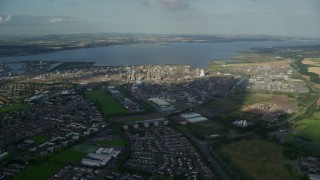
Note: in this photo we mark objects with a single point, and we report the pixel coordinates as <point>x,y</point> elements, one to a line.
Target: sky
<point>252,17</point>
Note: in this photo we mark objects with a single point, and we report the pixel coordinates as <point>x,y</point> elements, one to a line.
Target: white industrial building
<point>164,105</point>
<point>190,115</point>
<point>100,158</point>
<point>242,123</point>
<point>202,74</point>
<point>159,102</point>
<point>91,162</point>
<point>193,117</point>
<point>108,151</point>
<point>196,119</point>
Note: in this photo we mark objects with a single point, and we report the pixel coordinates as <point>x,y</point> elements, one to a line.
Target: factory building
<point>100,158</point>
<point>193,117</point>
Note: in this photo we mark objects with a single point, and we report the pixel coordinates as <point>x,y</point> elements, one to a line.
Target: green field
<point>316,115</point>
<point>251,57</point>
<point>309,128</point>
<point>204,129</point>
<point>40,139</point>
<point>108,104</point>
<point>42,171</point>
<point>84,148</point>
<point>116,143</point>
<point>50,166</point>
<point>223,106</point>
<point>259,159</point>
<point>244,58</point>
<point>13,107</point>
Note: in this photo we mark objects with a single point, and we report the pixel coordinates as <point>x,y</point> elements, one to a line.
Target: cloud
<point>172,5</point>
<point>56,20</point>
<point>27,20</point>
<point>68,2</point>
<point>4,19</point>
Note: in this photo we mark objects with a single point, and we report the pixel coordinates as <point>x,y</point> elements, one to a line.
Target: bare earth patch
<point>270,109</point>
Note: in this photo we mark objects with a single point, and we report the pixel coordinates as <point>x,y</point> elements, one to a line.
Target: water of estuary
<point>194,54</point>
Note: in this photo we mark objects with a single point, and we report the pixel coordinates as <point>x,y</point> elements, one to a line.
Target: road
<point>300,113</point>
<point>204,148</point>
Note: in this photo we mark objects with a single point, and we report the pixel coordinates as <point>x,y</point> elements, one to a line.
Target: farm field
<point>311,61</point>
<point>313,65</point>
<point>259,159</point>
<point>315,70</point>
<point>106,102</point>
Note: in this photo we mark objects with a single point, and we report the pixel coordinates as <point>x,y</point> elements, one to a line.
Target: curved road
<point>204,148</point>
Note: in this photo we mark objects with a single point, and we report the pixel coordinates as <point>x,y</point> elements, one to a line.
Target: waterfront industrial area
<point>75,120</point>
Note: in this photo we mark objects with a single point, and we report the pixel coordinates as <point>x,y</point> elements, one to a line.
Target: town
<point>75,120</point>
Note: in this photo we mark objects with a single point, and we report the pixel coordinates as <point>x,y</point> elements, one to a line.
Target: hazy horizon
<point>294,18</point>
<point>160,34</point>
